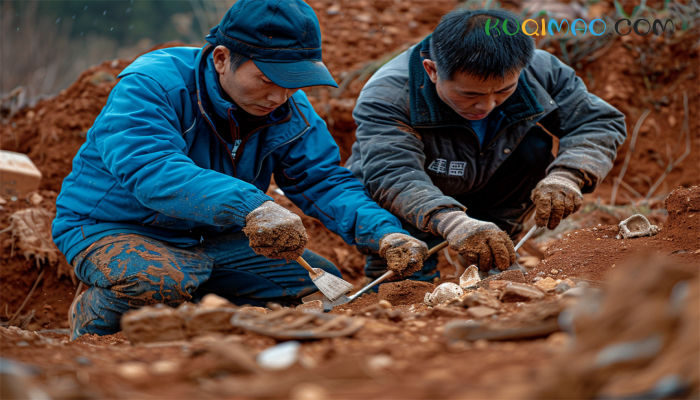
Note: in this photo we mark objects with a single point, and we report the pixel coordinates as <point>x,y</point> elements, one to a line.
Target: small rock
<point>499,285</point>
<point>150,324</point>
<point>443,292</point>
<point>562,287</point>
<point>481,311</point>
<point>164,367</point>
<point>546,285</point>
<point>260,310</point>
<point>315,305</point>
<point>2,201</point>
<point>35,199</point>
<point>133,370</point>
<point>279,357</point>
<point>559,339</point>
<point>385,304</point>
<point>481,344</point>
<point>553,272</point>
<point>520,292</point>
<point>210,320</point>
<point>470,278</point>
<point>309,391</point>
<point>481,298</point>
<point>213,301</point>
<point>380,361</point>
<point>333,10</point>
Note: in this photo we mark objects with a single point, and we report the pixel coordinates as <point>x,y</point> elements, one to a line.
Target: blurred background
<point>46,44</point>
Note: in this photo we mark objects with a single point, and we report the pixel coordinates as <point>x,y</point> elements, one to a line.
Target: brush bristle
<point>331,286</point>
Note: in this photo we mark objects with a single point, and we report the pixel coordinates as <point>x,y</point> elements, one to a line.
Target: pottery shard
<point>520,292</point>
<point>208,320</point>
<point>546,285</point>
<point>481,311</point>
<point>481,298</point>
<point>150,324</point>
<point>470,278</point>
<point>442,293</point>
<point>637,226</point>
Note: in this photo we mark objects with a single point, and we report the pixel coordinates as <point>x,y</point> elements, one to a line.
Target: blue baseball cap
<point>282,38</point>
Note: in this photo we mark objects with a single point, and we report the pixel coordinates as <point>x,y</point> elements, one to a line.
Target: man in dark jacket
<point>454,138</point>
<point>178,162</point>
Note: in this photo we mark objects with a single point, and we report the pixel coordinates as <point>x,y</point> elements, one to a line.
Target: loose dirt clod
<point>404,292</point>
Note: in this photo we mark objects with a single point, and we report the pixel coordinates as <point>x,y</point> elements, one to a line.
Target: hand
<point>480,243</point>
<point>404,254</point>
<point>556,197</point>
<point>275,232</point>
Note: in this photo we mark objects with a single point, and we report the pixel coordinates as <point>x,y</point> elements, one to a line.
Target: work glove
<point>275,232</point>
<point>556,197</point>
<point>404,254</point>
<point>480,243</point>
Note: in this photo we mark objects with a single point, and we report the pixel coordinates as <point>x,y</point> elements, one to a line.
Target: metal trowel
<point>515,266</point>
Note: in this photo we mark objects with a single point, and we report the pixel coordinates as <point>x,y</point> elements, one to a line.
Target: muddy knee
<point>144,289</point>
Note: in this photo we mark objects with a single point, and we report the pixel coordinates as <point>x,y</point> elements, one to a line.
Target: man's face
<point>248,87</point>
<point>471,97</point>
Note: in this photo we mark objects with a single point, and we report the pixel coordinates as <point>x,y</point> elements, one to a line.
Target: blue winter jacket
<point>154,164</point>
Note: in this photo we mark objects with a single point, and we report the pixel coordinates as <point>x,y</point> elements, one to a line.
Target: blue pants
<point>128,271</point>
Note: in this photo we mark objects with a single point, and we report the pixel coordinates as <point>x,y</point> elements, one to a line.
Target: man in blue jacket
<point>178,162</point>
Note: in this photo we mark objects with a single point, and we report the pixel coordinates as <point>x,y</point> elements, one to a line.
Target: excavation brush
<point>330,285</point>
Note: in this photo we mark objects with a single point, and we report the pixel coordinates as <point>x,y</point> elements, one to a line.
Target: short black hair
<point>460,44</point>
<point>237,59</point>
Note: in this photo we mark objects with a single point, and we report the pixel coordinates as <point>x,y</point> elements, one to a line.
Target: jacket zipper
<point>204,114</point>
<point>240,144</point>
<point>508,126</point>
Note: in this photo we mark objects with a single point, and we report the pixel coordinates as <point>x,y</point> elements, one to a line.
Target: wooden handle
<point>437,248</point>
<point>305,265</point>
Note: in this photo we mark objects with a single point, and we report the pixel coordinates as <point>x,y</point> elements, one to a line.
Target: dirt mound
<point>404,293</point>
<point>591,253</point>
<point>682,226</point>
<point>639,340</point>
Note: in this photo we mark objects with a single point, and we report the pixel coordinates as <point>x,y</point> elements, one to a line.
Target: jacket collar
<point>210,92</point>
<point>427,109</point>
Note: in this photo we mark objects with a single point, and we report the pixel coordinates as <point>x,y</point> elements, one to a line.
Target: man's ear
<point>222,57</point>
<point>431,69</point>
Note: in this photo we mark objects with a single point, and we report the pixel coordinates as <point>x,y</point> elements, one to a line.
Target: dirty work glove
<point>275,232</point>
<point>556,197</point>
<point>404,254</point>
<point>481,243</point>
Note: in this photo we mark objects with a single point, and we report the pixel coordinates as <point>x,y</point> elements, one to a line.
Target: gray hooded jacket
<point>408,140</point>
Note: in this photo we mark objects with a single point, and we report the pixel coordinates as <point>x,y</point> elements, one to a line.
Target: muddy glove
<point>404,255</point>
<point>275,232</point>
<point>556,197</point>
<point>480,243</point>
